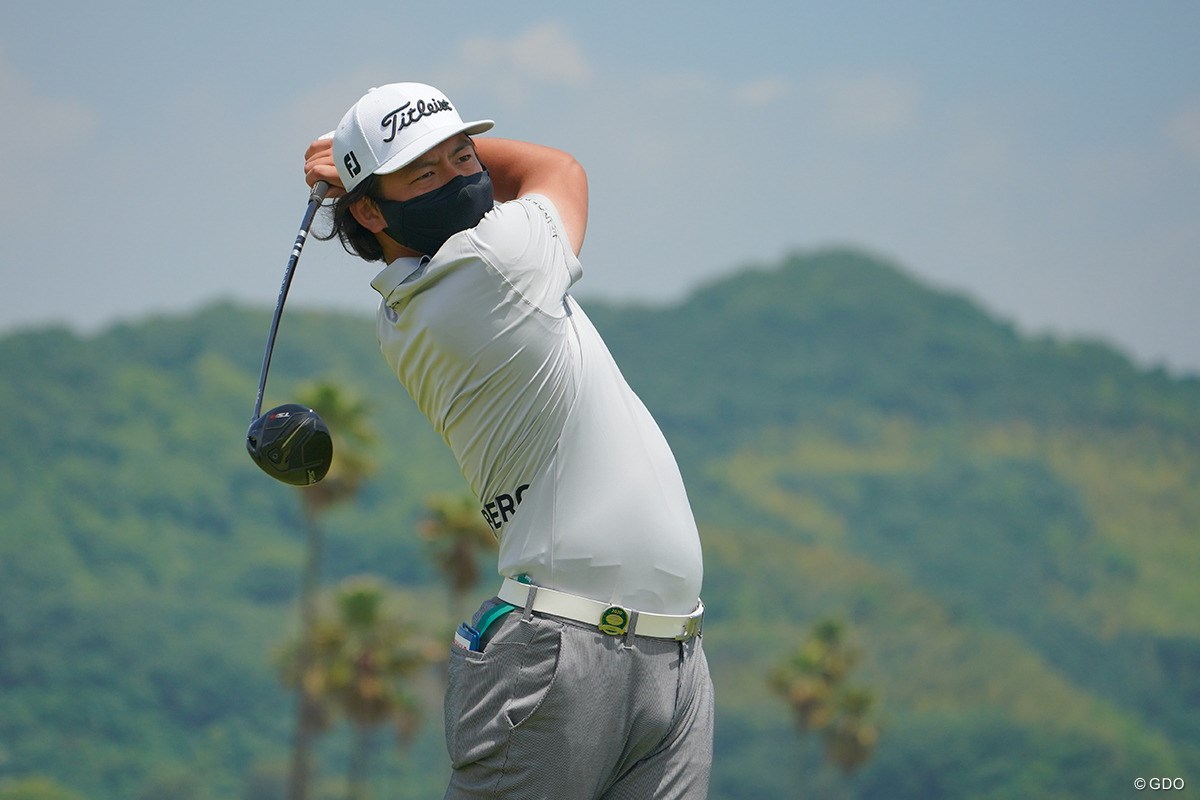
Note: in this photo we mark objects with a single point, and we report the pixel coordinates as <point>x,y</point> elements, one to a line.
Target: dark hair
<point>357,240</point>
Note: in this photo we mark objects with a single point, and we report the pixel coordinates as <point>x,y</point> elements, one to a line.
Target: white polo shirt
<point>574,475</point>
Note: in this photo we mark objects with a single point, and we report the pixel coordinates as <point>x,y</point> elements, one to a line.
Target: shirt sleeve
<point>525,242</point>
<point>547,207</point>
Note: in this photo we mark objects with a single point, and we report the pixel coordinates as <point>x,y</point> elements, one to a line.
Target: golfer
<point>584,676</point>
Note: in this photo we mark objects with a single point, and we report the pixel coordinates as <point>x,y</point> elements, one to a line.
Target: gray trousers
<point>553,709</point>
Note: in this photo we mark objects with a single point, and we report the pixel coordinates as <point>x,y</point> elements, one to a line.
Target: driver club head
<point>291,443</point>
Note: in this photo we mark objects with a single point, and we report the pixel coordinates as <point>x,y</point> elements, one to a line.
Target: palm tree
<point>456,534</point>
<point>813,682</point>
<point>365,651</point>
<point>851,739</point>
<point>347,421</point>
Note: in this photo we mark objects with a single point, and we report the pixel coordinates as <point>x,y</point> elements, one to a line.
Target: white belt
<point>611,619</point>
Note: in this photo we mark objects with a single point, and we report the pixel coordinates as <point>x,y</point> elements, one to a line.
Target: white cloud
<point>549,51</point>
<point>1183,130</point>
<point>762,92</point>
<point>42,135</point>
<point>544,55</point>
<point>871,104</point>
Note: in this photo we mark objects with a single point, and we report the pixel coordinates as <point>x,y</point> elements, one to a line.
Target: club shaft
<point>314,203</point>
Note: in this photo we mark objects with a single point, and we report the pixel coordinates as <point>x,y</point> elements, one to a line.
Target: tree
<point>456,534</point>
<point>347,421</point>
<point>363,650</point>
<point>813,682</point>
<point>35,788</point>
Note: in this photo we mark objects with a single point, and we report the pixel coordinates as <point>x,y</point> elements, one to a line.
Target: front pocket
<point>488,694</point>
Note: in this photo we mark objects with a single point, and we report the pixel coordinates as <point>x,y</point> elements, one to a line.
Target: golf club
<point>291,442</point>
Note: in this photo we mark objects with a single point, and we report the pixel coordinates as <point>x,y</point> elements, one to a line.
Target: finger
<point>327,173</point>
<point>319,166</point>
<point>319,146</point>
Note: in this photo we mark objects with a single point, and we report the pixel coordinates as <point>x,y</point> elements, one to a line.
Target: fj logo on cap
<point>352,165</point>
<point>407,114</point>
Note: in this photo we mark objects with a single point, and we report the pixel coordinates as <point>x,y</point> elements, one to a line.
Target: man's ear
<point>367,213</point>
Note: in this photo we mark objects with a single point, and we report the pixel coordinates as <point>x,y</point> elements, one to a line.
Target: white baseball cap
<point>390,126</point>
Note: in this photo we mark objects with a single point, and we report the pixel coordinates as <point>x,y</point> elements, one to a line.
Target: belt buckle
<point>614,621</point>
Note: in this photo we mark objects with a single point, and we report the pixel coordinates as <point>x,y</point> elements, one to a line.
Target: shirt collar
<point>397,273</point>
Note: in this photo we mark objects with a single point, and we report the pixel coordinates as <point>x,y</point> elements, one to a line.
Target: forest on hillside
<point>998,531</point>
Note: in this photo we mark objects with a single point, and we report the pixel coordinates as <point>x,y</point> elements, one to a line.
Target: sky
<point>1040,158</point>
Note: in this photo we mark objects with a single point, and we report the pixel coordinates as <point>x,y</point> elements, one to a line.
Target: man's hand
<point>319,166</point>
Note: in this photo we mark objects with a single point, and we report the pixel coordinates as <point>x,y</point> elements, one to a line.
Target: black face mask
<point>425,222</point>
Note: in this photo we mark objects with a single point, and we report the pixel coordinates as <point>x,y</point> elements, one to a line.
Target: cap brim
<point>430,140</point>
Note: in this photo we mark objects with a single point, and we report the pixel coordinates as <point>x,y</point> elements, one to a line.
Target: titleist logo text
<point>408,113</point>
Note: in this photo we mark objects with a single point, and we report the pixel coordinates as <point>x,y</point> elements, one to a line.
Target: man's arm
<point>521,168</point>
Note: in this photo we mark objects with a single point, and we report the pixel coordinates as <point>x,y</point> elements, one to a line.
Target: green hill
<point>1007,524</point>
